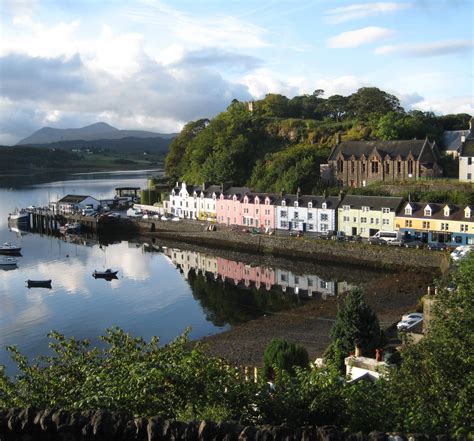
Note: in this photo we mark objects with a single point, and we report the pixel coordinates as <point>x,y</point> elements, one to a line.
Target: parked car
<point>376,241</point>
<point>113,214</point>
<point>175,219</point>
<point>164,218</point>
<point>406,325</point>
<point>396,242</point>
<point>414,244</point>
<point>388,236</point>
<point>461,251</point>
<point>437,246</point>
<point>412,316</point>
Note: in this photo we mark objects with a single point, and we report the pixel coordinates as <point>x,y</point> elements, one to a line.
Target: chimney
<point>340,195</point>
<point>222,187</point>
<point>409,197</point>
<point>298,192</point>
<point>357,352</point>
<point>463,139</point>
<point>338,138</point>
<point>282,192</point>
<point>203,186</point>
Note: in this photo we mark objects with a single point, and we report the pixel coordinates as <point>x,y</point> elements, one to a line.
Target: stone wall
<point>62,425</point>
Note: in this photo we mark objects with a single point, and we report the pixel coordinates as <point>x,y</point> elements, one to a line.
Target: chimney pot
<point>357,350</point>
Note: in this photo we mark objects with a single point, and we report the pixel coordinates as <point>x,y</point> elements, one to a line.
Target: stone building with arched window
<point>358,163</point>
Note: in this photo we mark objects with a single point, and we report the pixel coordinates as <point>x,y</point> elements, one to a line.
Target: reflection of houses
<point>191,260</point>
<point>358,163</point>
<point>306,213</point>
<point>365,215</point>
<point>241,272</point>
<point>304,283</point>
<point>73,203</point>
<point>437,223</point>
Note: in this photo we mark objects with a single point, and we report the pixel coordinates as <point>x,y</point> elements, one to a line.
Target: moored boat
<point>8,248</point>
<point>38,283</point>
<point>107,274</point>
<point>8,261</point>
<point>19,216</point>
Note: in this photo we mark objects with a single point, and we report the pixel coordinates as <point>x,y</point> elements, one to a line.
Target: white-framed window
<point>365,209</point>
<point>324,206</point>
<point>296,204</point>
<point>385,210</point>
<point>310,227</point>
<point>371,220</point>
<point>346,207</point>
<point>310,205</point>
<point>363,220</point>
<point>310,216</point>
<point>385,221</point>
<point>408,210</point>
<point>324,217</point>
<point>283,213</point>
<point>324,227</point>
<point>296,215</point>
<point>346,218</point>
<point>428,211</point>
<point>283,224</point>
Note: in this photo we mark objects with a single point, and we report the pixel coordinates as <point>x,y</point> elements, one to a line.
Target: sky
<point>155,65</point>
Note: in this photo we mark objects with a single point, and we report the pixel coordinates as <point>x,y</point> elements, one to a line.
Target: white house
<point>73,203</point>
<point>466,158</point>
<point>184,201</point>
<point>314,214</point>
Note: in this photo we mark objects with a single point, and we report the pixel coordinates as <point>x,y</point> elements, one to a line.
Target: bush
<point>284,356</point>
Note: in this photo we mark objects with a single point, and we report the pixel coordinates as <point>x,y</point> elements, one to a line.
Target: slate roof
<point>217,189</point>
<point>303,200</point>
<point>468,147</point>
<point>393,149</point>
<point>73,199</point>
<point>374,202</point>
<point>451,140</point>
<point>437,211</point>
<point>240,192</point>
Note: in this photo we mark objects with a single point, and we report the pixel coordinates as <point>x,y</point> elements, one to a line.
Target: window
<point>296,204</point>
<point>408,210</point>
<point>385,222</point>
<point>284,224</point>
<point>399,167</point>
<point>362,166</point>
<point>469,161</point>
<point>426,225</point>
<point>310,282</point>
<point>283,278</point>
<point>408,224</point>
<point>365,209</point>
<point>296,215</point>
<point>354,219</point>
<point>283,213</point>
<point>346,207</point>
<point>387,167</point>
<point>310,216</point>
<point>385,210</point>
<point>324,227</point>
<point>310,205</point>
<point>469,176</point>
<point>375,166</point>
<point>310,227</point>
<point>346,218</point>
<point>444,227</point>
<point>324,217</point>
<point>363,220</point>
<point>464,227</point>
<point>324,206</point>
<point>352,166</point>
<point>323,284</point>
<point>371,220</point>
<point>297,280</point>
<point>283,203</point>
<point>340,165</point>
<point>428,211</point>
<point>410,167</point>
<point>256,211</point>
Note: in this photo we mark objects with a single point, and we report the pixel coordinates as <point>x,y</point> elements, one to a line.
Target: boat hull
<point>38,283</point>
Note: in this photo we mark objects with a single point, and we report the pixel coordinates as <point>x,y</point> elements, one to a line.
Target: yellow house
<point>437,223</point>
<point>366,215</point>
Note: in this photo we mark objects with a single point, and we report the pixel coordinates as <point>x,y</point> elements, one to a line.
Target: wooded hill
<point>278,142</point>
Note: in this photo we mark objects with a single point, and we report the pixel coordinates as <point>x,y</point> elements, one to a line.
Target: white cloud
<point>221,31</point>
<point>359,37</point>
<point>446,106</point>
<point>363,10</point>
<point>433,49</point>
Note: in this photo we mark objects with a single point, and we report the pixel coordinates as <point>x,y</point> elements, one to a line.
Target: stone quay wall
<point>62,425</point>
<point>307,247</point>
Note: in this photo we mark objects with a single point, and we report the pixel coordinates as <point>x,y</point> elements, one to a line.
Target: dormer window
<point>447,211</point>
<point>408,210</point>
<point>427,210</point>
<point>324,206</point>
<point>283,203</point>
<point>296,204</point>
<point>467,212</point>
<point>310,205</point>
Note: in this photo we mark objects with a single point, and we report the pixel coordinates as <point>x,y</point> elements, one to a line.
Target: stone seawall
<point>306,248</point>
<point>62,425</point>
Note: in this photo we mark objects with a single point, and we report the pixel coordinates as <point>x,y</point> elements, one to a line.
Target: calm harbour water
<point>157,293</point>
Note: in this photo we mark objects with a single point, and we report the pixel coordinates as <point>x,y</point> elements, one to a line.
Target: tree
<point>355,322</point>
<point>433,389</point>
<point>336,107</point>
<point>285,356</point>
<point>275,105</point>
<point>369,101</point>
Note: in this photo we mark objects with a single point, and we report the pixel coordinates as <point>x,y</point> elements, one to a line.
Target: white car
<point>412,315</point>
<point>406,325</point>
<point>164,218</point>
<point>175,219</point>
<point>460,252</point>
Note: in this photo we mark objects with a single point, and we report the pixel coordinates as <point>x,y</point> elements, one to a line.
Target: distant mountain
<point>98,131</point>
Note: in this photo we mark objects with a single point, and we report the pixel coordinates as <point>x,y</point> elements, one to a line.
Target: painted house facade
<point>258,211</point>
<point>437,223</point>
<point>313,214</point>
<point>358,163</point>
<point>239,272</point>
<point>229,207</point>
<point>366,215</point>
<point>207,202</point>
<point>184,201</point>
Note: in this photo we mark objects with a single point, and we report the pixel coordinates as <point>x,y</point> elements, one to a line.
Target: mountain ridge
<point>92,132</point>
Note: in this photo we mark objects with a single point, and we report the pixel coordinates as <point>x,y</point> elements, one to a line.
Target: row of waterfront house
<point>352,214</point>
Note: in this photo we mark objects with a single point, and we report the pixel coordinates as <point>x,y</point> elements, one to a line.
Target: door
<point>354,231</point>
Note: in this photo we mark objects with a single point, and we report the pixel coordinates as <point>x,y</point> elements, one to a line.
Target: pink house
<point>229,208</point>
<point>258,210</point>
<point>240,272</point>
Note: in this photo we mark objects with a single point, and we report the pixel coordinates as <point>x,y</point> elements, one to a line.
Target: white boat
<point>8,248</point>
<point>8,261</point>
<point>19,216</point>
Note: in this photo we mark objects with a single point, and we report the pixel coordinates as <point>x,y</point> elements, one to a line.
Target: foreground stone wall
<point>51,425</point>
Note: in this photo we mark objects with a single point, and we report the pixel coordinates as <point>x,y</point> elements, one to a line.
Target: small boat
<point>19,216</point>
<point>8,248</point>
<point>107,274</point>
<point>38,283</point>
<point>8,261</point>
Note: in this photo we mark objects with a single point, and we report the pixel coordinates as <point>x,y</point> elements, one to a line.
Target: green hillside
<point>281,142</point>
